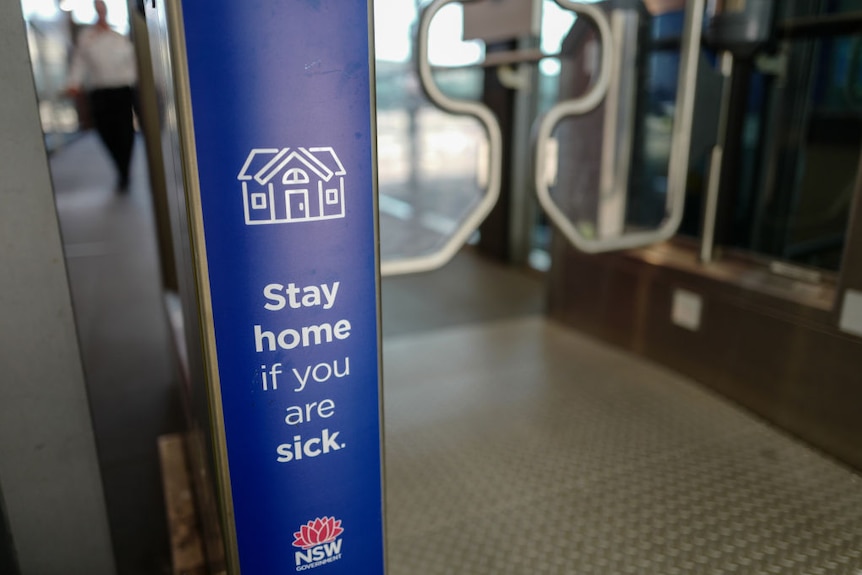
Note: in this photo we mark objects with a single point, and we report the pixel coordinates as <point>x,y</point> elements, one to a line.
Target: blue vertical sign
<point>280,94</point>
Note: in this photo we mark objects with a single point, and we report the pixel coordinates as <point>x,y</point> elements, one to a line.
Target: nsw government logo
<point>319,541</point>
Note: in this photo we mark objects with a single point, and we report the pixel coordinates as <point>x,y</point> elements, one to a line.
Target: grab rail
<point>680,143</point>
<point>495,157</point>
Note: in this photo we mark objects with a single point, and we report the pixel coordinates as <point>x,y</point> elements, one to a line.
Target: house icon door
<point>297,205</point>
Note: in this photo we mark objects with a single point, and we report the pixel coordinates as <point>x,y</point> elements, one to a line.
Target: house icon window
<point>289,185</point>
<point>258,201</point>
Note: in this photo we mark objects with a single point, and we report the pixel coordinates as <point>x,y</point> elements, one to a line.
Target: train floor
<point>520,447</point>
<point>513,445</point>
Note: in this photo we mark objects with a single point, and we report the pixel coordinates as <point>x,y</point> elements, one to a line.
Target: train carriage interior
<point>621,294</point>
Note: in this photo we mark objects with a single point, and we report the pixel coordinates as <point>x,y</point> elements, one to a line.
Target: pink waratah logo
<point>318,532</point>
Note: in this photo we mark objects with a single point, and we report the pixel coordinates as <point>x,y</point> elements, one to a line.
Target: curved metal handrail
<point>495,151</point>
<point>680,143</point>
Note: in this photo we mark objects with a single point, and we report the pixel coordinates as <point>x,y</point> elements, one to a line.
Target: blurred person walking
<point>104,64</point>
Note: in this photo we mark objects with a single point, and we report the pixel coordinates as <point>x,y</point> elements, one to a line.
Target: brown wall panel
<point>781,360</point>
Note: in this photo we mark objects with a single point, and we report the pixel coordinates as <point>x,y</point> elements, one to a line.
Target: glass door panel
<point>433,166</point>
<point>612,171</point>
<point>802,138</point>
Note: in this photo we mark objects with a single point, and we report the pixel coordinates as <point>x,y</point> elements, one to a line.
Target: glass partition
<point>613,174</point>
<point>802,138</point>
<point>774,151</point>
<point>432,164</point>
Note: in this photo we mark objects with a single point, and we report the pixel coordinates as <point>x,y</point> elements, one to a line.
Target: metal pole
<point>710,212</point>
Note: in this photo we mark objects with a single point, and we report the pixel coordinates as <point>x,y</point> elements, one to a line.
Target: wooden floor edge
<point>187,551</point>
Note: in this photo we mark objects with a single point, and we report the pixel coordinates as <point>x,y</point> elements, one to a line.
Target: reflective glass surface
<point>432,168</point>
<point>802,138</point>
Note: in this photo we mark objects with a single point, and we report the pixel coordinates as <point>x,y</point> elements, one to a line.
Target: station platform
<point>513,445</point>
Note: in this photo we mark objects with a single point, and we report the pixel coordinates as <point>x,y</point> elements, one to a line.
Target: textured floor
<point>518,447</point>
<point>111,256</point>
<point>470,289</point>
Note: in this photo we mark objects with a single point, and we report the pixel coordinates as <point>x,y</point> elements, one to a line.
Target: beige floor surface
<point>520,447</point>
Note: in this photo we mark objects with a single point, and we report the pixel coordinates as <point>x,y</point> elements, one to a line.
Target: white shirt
<point>103,59</point>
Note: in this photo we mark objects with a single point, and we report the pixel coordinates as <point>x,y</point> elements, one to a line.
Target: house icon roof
<point>263,164</point>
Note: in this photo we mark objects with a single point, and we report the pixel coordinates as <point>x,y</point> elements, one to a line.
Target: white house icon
<point>287,185</point>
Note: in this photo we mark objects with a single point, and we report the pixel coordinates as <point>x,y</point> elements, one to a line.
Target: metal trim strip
<point>185,128</point>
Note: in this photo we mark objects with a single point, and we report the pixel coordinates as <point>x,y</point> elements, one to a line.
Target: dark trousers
<point>112,116</point>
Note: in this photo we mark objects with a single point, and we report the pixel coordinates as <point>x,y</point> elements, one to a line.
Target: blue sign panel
<point>281,107</point>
